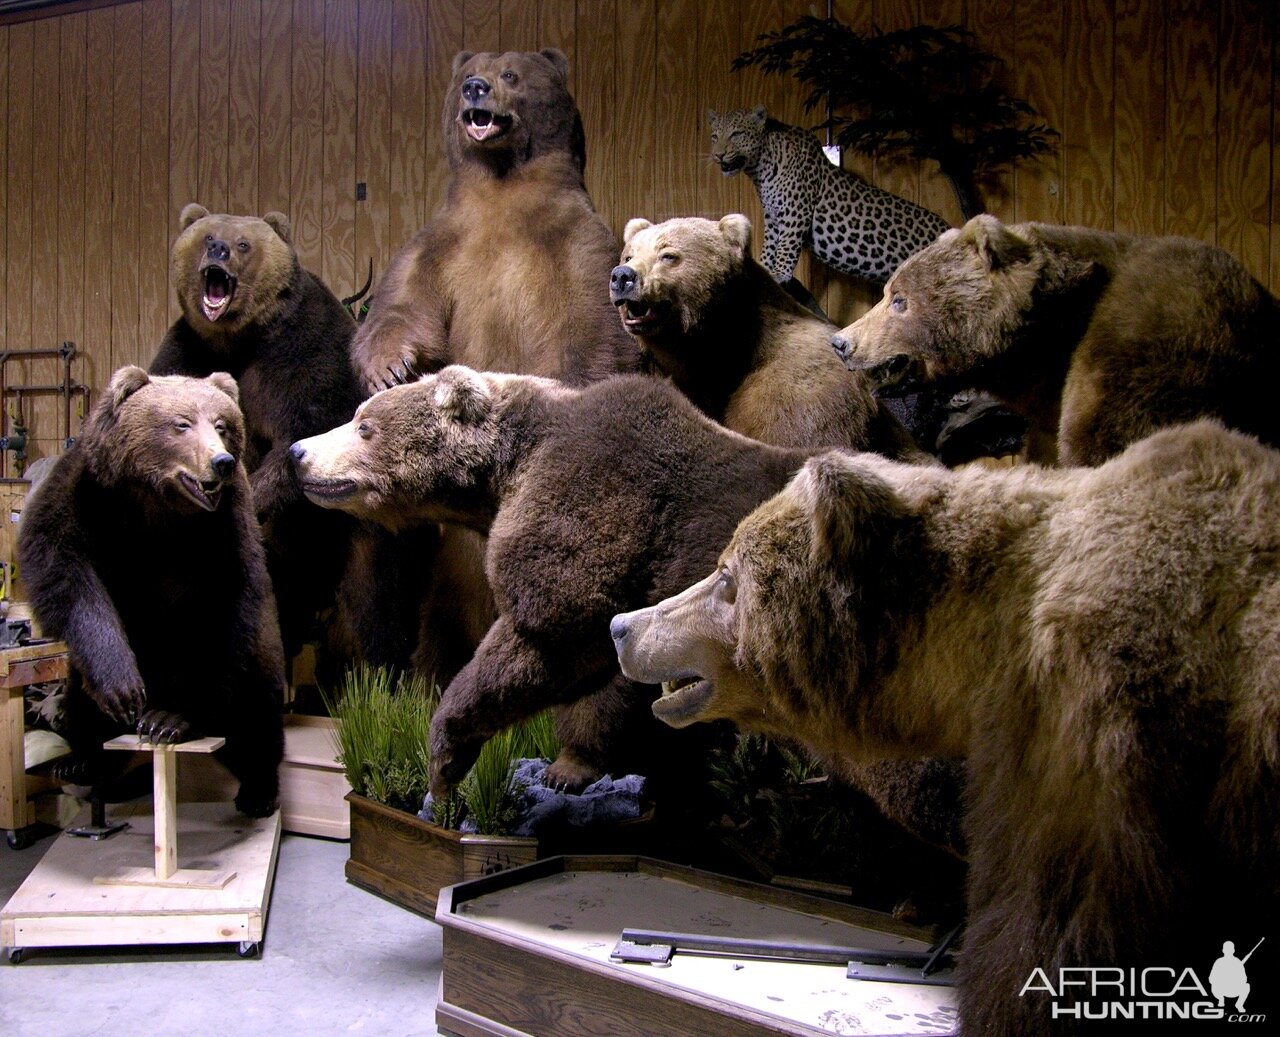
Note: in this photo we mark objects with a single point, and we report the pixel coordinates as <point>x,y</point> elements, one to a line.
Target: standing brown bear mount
<point>1096,338</point>
<point>140,549</point>
<point>509,275</point>
<point>1101,644</point>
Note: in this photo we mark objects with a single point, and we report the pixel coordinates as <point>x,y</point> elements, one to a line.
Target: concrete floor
<point>335,960</point>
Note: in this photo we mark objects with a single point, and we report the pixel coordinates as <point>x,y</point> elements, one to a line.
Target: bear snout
<point>217,250</point>
<point>475,89</point>
<point>619,628</point>
<point>843,348</point>
<point>223,465</point>
<point>622,283</point>
<point>298,453</point>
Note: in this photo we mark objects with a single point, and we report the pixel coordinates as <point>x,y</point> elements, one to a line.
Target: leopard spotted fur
<point>845,221</point>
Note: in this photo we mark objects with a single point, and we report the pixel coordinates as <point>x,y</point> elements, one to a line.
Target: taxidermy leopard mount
<point>846,222</point>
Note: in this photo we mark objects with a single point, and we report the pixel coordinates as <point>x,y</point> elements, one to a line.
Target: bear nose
<point>842,346</point>
<point>475,89</point>
<point>622,281</point>
<point>618,628</point>
<point>223,465</point>
<point>297,452</point>
<point>218,250</point>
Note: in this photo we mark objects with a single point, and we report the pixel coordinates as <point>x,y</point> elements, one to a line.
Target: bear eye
<point>208,238</point>
<point>668,257</point>
<point>220,427</point>
<point>726,588</point>
<point>364,430</point>
<point>182,425</point>
<point>510,77</point>
<point>243,246</point>
<point>898,303</point>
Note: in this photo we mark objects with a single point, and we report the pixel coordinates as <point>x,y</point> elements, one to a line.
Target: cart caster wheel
<point>15,955</point>
<point>19,838</point>
<point>249,948</point>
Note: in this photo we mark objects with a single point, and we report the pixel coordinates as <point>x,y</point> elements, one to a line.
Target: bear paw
<point>569,773</point>
<point>256,802</point>
<point>86,769</point>
<point>161,727</point>
<point>123,703</point>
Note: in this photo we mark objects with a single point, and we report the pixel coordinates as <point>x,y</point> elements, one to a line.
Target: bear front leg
<point>405,333</point>
<point>100,651</point>
<point>509,678</point>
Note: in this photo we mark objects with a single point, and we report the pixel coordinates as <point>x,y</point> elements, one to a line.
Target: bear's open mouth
<point>683,700</point>
<point>328,492</point>
<point>639,316</point>
<point>219,289</point>
<point>206,493</point>
<point>482,124</point>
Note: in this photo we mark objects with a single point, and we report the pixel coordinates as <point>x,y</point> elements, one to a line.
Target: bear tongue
<point>480,124</point>
<point>218,289</point>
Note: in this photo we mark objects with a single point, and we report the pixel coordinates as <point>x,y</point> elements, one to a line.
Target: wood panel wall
<point>113,118</point>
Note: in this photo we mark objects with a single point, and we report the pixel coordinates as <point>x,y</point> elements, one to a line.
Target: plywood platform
<point>60,904</point>
<point>528,953</point>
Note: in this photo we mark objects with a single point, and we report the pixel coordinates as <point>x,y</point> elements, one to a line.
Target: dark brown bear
<point>591,497</point>
<point>250,309</point>
<point>1096,338</point>
<point>140,549</point>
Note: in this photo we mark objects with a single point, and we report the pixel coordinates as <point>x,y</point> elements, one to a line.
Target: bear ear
<point>996,244</point>
<point>223,382</point>
<point>279,223</point>
<point>462,394</point>
<point>633,228</point>
<point>558,61</point>
<point>190,213</point>
<point>124,383</point>
<point>736,229</point>
<point>852,511</point>
<point>461,58</point>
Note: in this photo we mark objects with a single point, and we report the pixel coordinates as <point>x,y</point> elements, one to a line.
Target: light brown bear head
<point>947,308</point>
<point>411,454</point>
<point>229,271</point>
<point>501,110</point>
<point>671,271</point>
<point>779,638</point>
<point>174,439</point>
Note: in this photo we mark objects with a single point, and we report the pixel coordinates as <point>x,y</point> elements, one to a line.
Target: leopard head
<point>737,139</point>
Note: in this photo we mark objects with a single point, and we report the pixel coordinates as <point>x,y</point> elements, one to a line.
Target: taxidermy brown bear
<point>140,549</point>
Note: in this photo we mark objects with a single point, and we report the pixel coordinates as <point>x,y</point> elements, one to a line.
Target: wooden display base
<point>62,905</point>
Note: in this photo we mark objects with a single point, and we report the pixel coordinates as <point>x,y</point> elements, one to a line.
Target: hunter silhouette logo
<point>1227,978</point>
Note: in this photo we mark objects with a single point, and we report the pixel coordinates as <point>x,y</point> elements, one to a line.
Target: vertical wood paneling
<point>5,125</point>
<point>1087,122</point>
<point>558,27</point>
<point>244,57</point>
<point>275,107</point>
<point>42,411</point>
<point>518,26</point>
<point>445,38</point>
<point>719,42</point>
<point>338,222</point>
<point>935,192</point>
<point>1244,119</point>
<point>634,64</point>
<point>596,97</point>
<point>184,123</point>
<point>153,202</point>
<point>482,27</point>
<point>1038,44</point>
<point>899,175</point>
<point>19,325</point>
<point>99,233</point>
<point>410,128</point>
<point>373,143</point>
<point>215,103</point>
<point>306,151</point>
<point>1191,203</point>
<point>676,104</point>
<point>126,103</point>
<point>1140,116</point>
<point>71,158</point>
<point>1275,146</point>
<point>992,23</point>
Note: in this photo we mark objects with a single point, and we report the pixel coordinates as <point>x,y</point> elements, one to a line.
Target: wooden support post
<point>165,871</point>
<point>13,785</point>
<point>165,798</point>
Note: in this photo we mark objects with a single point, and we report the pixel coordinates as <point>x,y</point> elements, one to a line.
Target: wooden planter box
<point>407,860</point>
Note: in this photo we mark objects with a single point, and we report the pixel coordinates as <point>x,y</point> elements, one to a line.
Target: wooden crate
<point>312,784</point>
<point>407,860</point>
<point>527,954</point>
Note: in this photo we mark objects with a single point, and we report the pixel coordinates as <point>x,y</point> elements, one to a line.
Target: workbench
<point>21,666</point>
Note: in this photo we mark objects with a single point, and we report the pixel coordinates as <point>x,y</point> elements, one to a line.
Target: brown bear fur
<point>250,309</point>
<point>1096,338</point>
<point>510,274</point>
<point>140,549</point>
<point>1100,644</point>
<point>714,321</point>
